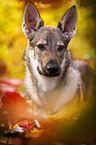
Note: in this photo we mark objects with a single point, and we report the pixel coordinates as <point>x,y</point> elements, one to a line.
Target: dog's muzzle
<point>52,69</point>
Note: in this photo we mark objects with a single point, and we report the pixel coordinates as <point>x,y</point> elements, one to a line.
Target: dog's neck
<point>48,90</point>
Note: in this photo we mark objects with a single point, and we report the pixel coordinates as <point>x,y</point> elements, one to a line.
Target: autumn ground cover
<point>19,126</point>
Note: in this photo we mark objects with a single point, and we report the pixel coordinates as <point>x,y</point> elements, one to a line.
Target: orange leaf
<point>14,104</point>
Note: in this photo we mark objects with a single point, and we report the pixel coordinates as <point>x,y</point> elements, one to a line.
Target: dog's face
<point>47,44</point>
<point>49,50</point>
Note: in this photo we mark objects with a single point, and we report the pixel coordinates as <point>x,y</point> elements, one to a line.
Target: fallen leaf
<point>14,104</point>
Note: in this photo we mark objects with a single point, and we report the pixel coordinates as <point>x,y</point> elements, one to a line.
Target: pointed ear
<point>68,22</point>
<point>32,20</point>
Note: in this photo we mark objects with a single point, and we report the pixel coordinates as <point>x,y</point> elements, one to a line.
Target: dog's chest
<point>50,92</point>
<point>52,96</point>
<point>59,96</point>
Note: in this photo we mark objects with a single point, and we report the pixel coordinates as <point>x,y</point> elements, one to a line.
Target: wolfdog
<point>53,78</point>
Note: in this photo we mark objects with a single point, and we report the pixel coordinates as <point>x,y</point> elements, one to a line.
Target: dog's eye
<point>60,48</point>
<point>31,40</point>
<point>41,47</point>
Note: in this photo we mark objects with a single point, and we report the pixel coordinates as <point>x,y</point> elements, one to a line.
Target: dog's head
<point>48,44</point>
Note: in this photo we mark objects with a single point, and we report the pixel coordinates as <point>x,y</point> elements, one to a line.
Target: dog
<point>53,78</point>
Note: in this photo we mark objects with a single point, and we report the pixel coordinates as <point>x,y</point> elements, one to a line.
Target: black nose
<point>52,68</point>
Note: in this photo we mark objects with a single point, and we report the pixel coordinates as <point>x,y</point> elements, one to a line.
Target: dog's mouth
<point>49,72</point>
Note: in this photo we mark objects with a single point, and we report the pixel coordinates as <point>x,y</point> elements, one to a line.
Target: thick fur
<point>48,45</point>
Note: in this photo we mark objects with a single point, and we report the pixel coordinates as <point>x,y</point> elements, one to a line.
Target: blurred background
<point>13,41</point>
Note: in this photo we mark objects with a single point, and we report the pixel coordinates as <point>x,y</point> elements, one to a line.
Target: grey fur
<point>48,44</point>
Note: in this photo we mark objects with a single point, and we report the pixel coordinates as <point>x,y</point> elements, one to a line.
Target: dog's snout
<point>52,68</point>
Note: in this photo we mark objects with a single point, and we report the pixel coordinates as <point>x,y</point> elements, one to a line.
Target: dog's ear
<point>68,22</point>
<point>32,20</point>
